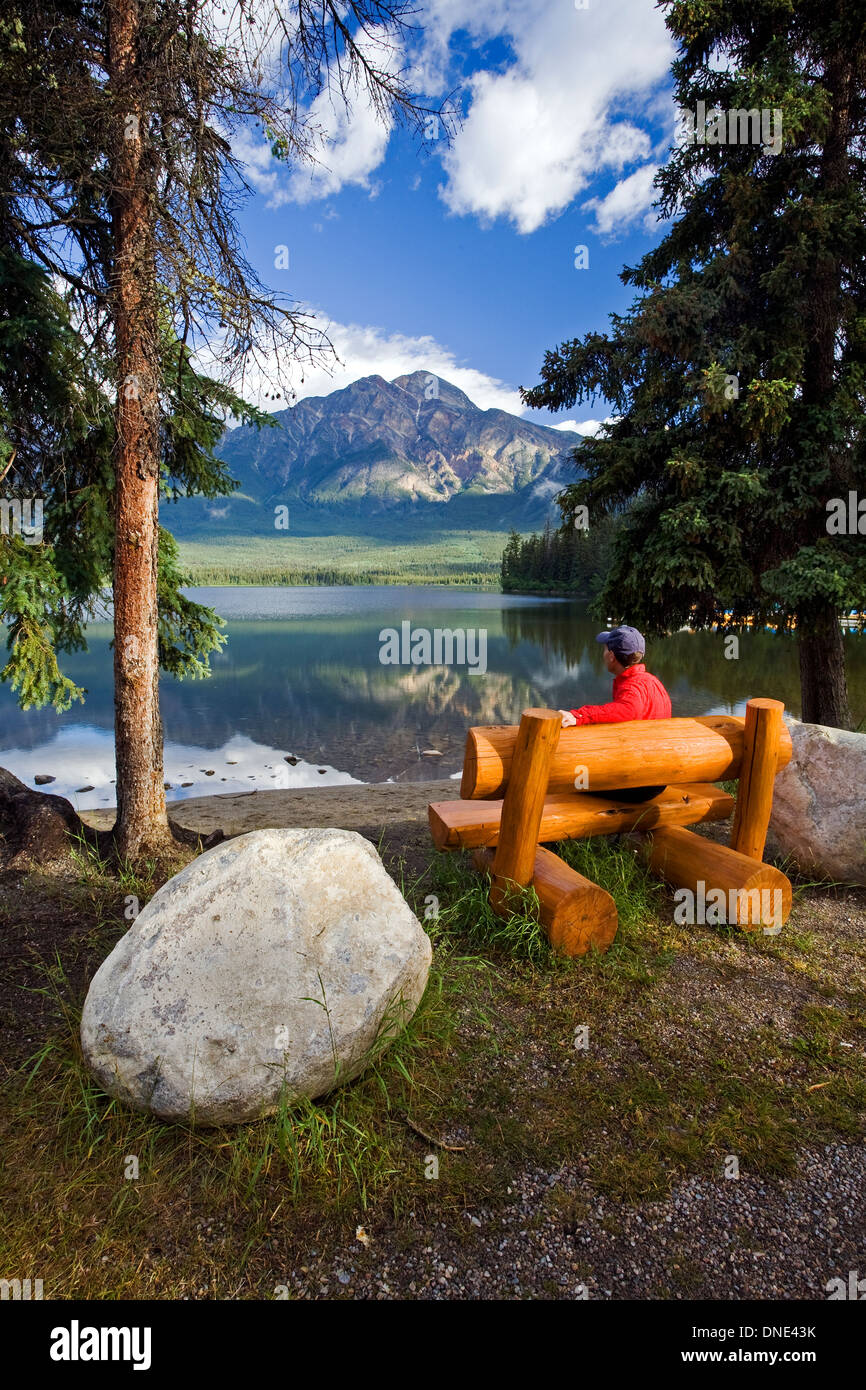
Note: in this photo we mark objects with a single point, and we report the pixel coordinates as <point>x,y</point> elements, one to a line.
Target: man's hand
<point>567,718</point>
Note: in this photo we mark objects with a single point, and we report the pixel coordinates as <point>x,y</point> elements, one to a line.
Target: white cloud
<point>259,165</point>
<point>350,147</point>
<point>430,69</point>
<point>628,202</point>
<point>348,137</point>
<point>564,110</point>
<point>584,427</point>
<point>571,102</point>
<point>366,350</point>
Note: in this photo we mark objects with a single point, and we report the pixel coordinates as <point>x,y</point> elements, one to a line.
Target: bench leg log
<point>761,741</point>
<point>575,913</point>
<point>523,803</point>
<point>756,895</point>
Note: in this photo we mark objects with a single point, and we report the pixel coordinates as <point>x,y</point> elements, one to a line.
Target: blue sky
<point>459,255</point>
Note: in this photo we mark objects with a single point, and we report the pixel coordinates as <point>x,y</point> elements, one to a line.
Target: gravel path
<point>726,1239</point>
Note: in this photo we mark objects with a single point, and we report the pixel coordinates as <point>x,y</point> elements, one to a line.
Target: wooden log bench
<point>527,785</point>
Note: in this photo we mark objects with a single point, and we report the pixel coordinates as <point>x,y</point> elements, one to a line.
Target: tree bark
<point>823,686</point>
<point>823,682</point>
<point>142,821</point>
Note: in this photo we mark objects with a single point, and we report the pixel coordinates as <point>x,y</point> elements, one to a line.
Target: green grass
<point>675,1078</point>
<point>459,557</point>
<point>638,896</point>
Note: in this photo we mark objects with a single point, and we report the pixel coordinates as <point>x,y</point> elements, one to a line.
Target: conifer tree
<point>119,178</point>
<point>738,378</point>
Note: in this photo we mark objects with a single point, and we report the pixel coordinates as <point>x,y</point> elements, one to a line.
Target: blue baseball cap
<point>623,641</point>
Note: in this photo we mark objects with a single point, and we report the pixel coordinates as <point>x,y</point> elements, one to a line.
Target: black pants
<point>630,793</point>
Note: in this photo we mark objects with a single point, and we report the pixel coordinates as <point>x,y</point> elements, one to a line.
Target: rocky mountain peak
<point>415,446</point>
<point>424,386</point>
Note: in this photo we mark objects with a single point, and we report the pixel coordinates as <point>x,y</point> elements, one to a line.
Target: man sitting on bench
<point>636,695</point>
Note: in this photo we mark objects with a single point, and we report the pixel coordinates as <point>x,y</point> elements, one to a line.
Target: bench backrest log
<point>637,754</point>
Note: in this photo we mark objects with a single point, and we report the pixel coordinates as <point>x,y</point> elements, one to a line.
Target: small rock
<point>79,790</point>
<point>42,779</point>
<point>293,761</point>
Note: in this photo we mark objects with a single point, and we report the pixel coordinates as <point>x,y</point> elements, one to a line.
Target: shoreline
<point>370,806</point>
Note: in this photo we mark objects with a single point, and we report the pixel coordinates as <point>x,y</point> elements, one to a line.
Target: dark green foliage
<point>737,381</point>
<point>568,561</point>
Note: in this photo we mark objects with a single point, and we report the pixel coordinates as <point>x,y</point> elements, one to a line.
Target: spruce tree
<point>738,378</point>
<point>511,561</point>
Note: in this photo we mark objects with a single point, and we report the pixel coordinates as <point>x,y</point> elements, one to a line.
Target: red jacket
<point>636,695</point>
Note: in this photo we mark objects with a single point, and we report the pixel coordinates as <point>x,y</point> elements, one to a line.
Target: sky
<point>457,255</point>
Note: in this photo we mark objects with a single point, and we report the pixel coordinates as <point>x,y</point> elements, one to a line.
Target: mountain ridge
<point>416,448</point>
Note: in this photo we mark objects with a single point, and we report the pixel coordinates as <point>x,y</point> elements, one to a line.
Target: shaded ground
<point>489,1155</point>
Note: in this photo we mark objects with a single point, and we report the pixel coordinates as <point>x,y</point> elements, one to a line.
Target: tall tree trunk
<point>141,813</point>
<point>822,671</point>
<point>824,688</point>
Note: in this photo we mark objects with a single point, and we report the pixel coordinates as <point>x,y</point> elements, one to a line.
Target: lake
<point>301,676</point>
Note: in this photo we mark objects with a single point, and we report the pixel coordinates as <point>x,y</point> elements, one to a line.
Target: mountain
<point>414,451</point>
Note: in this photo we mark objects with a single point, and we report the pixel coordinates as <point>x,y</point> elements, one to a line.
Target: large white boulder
<point>819,803</point>
<point>270,966</point>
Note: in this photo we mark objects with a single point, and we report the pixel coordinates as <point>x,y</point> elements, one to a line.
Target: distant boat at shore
<point>853,622</point>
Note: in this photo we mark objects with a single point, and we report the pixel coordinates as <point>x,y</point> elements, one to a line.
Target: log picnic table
<point>527,785</point>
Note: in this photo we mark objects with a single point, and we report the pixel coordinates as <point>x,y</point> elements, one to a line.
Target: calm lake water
<point>301,676</point>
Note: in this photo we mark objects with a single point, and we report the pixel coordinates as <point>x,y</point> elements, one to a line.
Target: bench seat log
<point>635,754</point>
<point>575,816</point>
<point>576,914</point>
<point>687,860</point>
